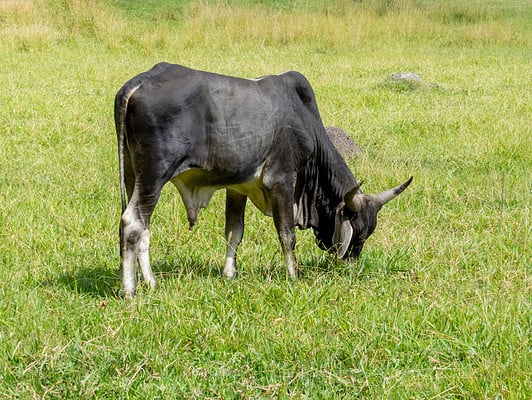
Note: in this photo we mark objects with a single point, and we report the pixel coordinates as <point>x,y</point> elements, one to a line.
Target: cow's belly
<point>255,190</point>
<point>197,188</point>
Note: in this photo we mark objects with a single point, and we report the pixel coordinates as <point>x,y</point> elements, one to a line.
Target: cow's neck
<point>326,181</point>
<point>335,177</point>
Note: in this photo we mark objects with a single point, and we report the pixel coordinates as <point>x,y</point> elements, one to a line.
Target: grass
<point>438,306</point>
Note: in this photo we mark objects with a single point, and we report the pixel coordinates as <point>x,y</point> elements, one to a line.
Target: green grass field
<point>437,307</point>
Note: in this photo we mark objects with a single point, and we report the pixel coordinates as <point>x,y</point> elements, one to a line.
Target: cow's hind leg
<point>235,204</point>
<point>144,259</point>
<point>131,229</point>
<point>135,238</point>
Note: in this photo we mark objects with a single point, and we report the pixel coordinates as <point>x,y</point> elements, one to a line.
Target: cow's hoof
<point>230,273</point>
<point>295,275</point>
<point>128,295</point>
<point>152,283</point>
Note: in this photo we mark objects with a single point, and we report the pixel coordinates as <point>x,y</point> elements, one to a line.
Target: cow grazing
<point>261,139</point>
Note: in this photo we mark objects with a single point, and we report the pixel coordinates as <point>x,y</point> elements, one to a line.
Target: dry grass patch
<point>347,25</point>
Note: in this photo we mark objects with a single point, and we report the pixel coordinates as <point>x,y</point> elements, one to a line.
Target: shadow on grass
<point>326,264</point>
<point>105,281</point>
<point>370,263</point>
<point>97,282</point>
<point>186,266</point>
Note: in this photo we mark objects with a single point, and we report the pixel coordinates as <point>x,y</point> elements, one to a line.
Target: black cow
<point>258,138</point>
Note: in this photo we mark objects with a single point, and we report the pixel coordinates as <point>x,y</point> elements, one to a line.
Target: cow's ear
<point>343,232</point>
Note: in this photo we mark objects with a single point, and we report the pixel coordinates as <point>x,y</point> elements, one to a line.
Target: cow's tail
<point>121,103</point>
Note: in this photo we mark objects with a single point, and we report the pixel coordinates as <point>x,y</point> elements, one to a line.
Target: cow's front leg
<point>283,217</point>
<point>235,204</point>
<point>288,244</point>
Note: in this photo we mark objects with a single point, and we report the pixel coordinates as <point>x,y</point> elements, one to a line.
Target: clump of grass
<point>23,26</point>
<point>81,19</point>
<point>37,24</point>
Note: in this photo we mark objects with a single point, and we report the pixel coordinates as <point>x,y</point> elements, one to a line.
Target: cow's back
<point>221,124</point>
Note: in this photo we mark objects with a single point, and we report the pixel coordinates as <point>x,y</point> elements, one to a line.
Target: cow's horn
<point>352,198</point>
<point>387,195</point>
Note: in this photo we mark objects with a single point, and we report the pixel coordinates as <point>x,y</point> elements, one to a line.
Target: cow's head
<point>356,219</point>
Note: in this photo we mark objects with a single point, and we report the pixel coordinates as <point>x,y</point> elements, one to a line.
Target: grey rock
<point>343,143</point>
<point>405,76</point>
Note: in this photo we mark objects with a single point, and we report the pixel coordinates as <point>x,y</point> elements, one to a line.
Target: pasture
<point>437,307</point>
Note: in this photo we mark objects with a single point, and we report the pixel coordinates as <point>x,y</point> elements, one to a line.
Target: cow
<point>261,139</point>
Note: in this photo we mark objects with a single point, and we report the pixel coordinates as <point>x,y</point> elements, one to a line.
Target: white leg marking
<point>131,231</point>
<point>287,245</point>
<point>233,240</point>
<point>230,268</point>
<point>291,263</point>
<point>129,279</point>
<point>144,259</point>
